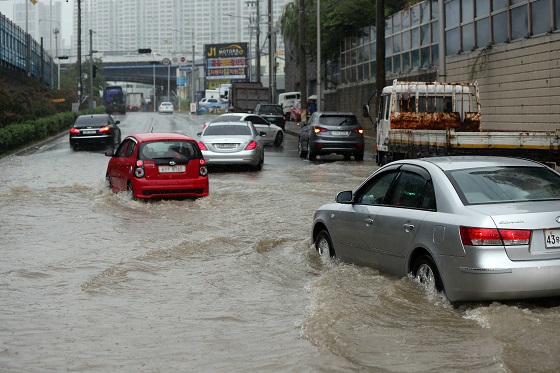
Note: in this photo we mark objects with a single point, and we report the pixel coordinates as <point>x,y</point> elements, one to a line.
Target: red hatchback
<point>158,165</point>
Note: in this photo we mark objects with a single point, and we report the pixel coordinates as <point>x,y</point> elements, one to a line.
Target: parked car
<point>158,165</point>
<point>206,101</point>
<point>166,107</point>
<point>295,112</point>
<point>273,134</point>
<point>232,143</point>
<point>95,129</point>
<point>331,132</point>
<point>474,227</point>
<point>272,113</point>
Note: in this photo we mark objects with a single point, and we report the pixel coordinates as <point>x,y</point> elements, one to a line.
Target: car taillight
<point>74,131</point>
<point>358,130</point>
<point>252,145</point>
<point>202,169</point>
<point>139,170</point>
<point>105,129</point>
<point>492,236</point>
<point>317,129</point>
<point>201,146</point>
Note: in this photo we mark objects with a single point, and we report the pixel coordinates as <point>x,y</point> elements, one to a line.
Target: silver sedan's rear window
<point>506,184</point>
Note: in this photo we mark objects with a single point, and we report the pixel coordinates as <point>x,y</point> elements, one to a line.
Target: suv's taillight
<point>493,236</point>
<point>318,129</point>
<point>202,169</point>
<point>358,130</point>
<point>139,169</point>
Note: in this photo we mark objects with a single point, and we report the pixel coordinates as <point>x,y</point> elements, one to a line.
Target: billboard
<point>226,61</point>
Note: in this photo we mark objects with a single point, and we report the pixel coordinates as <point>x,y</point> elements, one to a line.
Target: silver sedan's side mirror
<point>344,197</point>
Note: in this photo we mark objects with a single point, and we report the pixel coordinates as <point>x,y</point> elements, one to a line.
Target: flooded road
<point>92,281</point>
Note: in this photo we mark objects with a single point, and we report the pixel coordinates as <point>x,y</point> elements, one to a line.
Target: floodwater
<point>91,281</point>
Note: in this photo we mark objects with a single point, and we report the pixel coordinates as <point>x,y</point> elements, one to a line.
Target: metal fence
<point>21,53</point>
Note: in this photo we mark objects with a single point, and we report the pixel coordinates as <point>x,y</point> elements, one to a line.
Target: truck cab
<point>409,109</point>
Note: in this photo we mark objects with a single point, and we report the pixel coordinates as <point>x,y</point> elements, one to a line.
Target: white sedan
<point>166,107</point>
<point>273,133</point>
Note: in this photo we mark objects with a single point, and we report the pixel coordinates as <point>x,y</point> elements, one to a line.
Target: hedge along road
<point>92,281</point>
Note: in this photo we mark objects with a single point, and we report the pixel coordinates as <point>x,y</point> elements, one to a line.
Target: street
<point>92,281</point>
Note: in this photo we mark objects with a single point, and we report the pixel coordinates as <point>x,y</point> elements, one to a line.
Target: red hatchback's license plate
<point>552,238</point>
<point>166,169</point>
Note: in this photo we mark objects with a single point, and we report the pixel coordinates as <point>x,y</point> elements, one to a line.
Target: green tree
<point>339,19</point>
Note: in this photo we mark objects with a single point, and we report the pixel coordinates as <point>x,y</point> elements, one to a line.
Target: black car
<point>272,113</point>
<point>332,132</point>
<point>95,129</point>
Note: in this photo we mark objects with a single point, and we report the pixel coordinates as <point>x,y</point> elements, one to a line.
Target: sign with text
<point>226,61</point>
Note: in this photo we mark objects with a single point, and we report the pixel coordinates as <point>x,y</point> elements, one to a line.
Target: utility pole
<point>271,55</point>
<point>319,104</point>
<point>303,61</point>
<point>258,31</point>
<point>56,31</point>
<point>91,69</point>
<point>79,52</point>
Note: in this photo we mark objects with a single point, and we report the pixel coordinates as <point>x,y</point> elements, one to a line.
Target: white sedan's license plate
<point>339,133</point>
<point>89,132</point>
<point>165,169</point>
<point>552,238</point>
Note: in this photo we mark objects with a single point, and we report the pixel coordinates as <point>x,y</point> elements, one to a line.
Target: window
<point>374,192</point>
<point>412,190</point>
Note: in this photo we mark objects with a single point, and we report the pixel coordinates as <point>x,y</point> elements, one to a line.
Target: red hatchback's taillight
<point>201,146</point>
<point>252,145</point>
<point>139,169</point>
<point>317,129</point>
<point>74,131</point>
<point>493,236</point>
<point>105,129</point>
<point>202,169</point>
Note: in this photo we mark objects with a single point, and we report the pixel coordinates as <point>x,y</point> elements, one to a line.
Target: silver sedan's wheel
<point>324,245</point>
<point>427,274</point>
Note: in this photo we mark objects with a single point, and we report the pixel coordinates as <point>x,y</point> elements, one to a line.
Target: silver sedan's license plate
<point>89,132</point>
<point>165,169</point>
<point>225,146</point>
<point>552,238</point>
<point>339,133</point>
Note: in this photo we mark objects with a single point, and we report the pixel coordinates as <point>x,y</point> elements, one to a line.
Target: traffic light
<point>144,50</point>
<point>94,68</point>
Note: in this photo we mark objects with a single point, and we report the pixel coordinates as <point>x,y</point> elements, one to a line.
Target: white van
<point>287,100</point>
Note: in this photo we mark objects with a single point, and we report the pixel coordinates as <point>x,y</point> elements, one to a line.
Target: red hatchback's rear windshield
<point>179,150</point>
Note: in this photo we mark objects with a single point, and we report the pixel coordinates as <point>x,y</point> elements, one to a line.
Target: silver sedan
<point>232,143</point>
<point>476,228</point>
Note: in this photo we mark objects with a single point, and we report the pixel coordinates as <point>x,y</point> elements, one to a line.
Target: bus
<point>114,99</point>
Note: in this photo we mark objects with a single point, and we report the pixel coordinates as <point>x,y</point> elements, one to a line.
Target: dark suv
<point>272,113</point>
<point>332,132</point>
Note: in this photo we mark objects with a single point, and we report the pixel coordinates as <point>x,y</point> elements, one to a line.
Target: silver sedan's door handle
<point>408,227</point>
<point>368,221</point>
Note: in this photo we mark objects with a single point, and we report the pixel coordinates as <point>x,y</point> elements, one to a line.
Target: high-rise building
<point>174,26</point>
<point>41,21</point>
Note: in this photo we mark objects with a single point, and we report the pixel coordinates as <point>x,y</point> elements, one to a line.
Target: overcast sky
<point>7,9</point>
